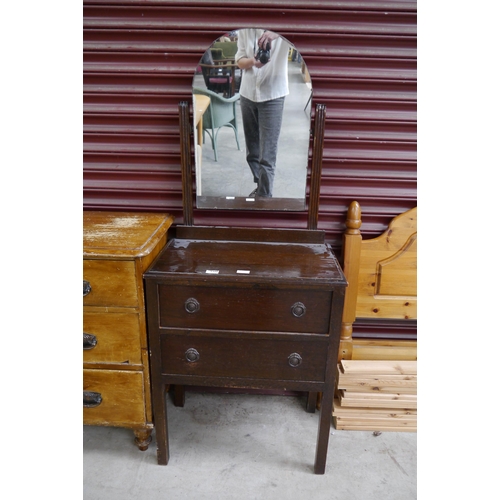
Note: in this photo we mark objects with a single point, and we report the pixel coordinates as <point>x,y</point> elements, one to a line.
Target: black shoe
<point>253,193</point>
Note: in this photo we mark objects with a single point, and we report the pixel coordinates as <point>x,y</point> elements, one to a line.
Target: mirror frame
<point>312,201</point>
<point>284,204</point>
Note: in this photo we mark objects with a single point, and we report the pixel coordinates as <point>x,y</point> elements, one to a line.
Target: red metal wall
<point>138,62</point>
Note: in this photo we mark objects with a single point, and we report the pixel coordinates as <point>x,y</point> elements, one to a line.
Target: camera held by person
<point>264,53</point>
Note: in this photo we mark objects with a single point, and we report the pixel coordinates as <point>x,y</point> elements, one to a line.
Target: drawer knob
<point>294,360</point>
<point>91,399</point>
<point>86,288</point>
<point>298,309</point>
<point>192,355</point>
<point>89,341</point>
<point>192,305</point>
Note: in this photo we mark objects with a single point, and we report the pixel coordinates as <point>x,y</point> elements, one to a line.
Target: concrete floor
<point>248,447</point>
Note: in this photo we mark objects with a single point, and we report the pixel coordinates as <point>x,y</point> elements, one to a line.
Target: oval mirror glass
<point>251,109</point>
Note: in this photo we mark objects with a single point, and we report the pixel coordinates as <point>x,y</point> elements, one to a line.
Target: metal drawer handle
<point>192,305</point>
<point>91,399</point>
<point>298,309</point>
<point>192,355</point>
<point>86,288</point>
<point>294,360</point>
<point>89,341</point>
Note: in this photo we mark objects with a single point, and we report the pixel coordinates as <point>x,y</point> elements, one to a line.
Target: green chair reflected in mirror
<point>220,113</point>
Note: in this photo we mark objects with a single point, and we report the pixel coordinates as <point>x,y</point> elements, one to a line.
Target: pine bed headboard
<point>381,272</point>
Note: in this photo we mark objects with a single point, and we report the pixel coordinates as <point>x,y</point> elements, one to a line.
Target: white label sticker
<point>229,197</point>
<point>250,199</point>
<point>212,271</point>
<point>243,271</point>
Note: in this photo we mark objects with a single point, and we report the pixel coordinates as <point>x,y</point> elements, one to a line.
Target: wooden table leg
<point>179,395</point>
<point>312,398</point>
<point>161,425</point>
<point>200,131</point>
<point>324,425</point>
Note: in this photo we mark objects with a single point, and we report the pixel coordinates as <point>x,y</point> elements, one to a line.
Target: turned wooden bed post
<point>351,251</point>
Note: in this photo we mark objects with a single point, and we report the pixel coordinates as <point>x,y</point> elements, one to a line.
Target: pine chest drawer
<point>112,337</point>
<point>113,397</point>
<point>110,283</point>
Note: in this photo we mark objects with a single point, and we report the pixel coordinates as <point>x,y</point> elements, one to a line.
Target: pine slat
<point>380,389</point>
<point>397,413</point>
<point>377,400</point>
<point>368,385</point>
<point>380,426</point>
<point>379,367</point>
<point>376,395</point>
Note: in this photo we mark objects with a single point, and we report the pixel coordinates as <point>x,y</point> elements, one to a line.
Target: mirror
<point>240,89</point>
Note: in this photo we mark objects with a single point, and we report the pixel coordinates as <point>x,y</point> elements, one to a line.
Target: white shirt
<point>270,81</point>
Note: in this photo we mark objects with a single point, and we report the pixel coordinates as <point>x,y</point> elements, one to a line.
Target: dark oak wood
<point>186,168</point>
<point>250,234</point>
<point>238,203</point>
<point>312,398</point>
<point>179,395</point>
<point>277,325</point>
<point>240,357</point>
<point>245,308</point>
<point>317,160</point>
<point>243,203</point>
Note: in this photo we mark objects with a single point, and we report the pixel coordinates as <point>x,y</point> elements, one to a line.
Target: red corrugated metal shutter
<point>138,62</point>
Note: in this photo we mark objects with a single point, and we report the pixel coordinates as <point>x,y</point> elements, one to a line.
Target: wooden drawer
<point>112,283</point>
<point>122,396</point>
<point>255,358</point>
<point>254,309</point>
<point>116,336</point>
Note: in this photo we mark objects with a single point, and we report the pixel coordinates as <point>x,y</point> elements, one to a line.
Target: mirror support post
<point>187,174</point>
<point>317,161</point>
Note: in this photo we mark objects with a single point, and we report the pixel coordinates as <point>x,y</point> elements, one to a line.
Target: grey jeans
<point>262,126</point>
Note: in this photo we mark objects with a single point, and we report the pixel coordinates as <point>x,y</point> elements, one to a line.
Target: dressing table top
<point>231,259</point>
<point>238,258</point>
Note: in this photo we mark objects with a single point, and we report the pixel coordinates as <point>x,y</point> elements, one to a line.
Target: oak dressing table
<point>242,307</point>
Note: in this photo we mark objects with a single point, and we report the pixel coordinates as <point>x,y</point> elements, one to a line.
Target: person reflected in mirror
<point>263,58</point>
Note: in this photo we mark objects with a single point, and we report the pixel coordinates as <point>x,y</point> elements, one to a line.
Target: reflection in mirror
<point>251,101</point>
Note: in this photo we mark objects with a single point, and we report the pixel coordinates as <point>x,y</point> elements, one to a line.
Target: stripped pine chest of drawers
<point>117,249</point>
